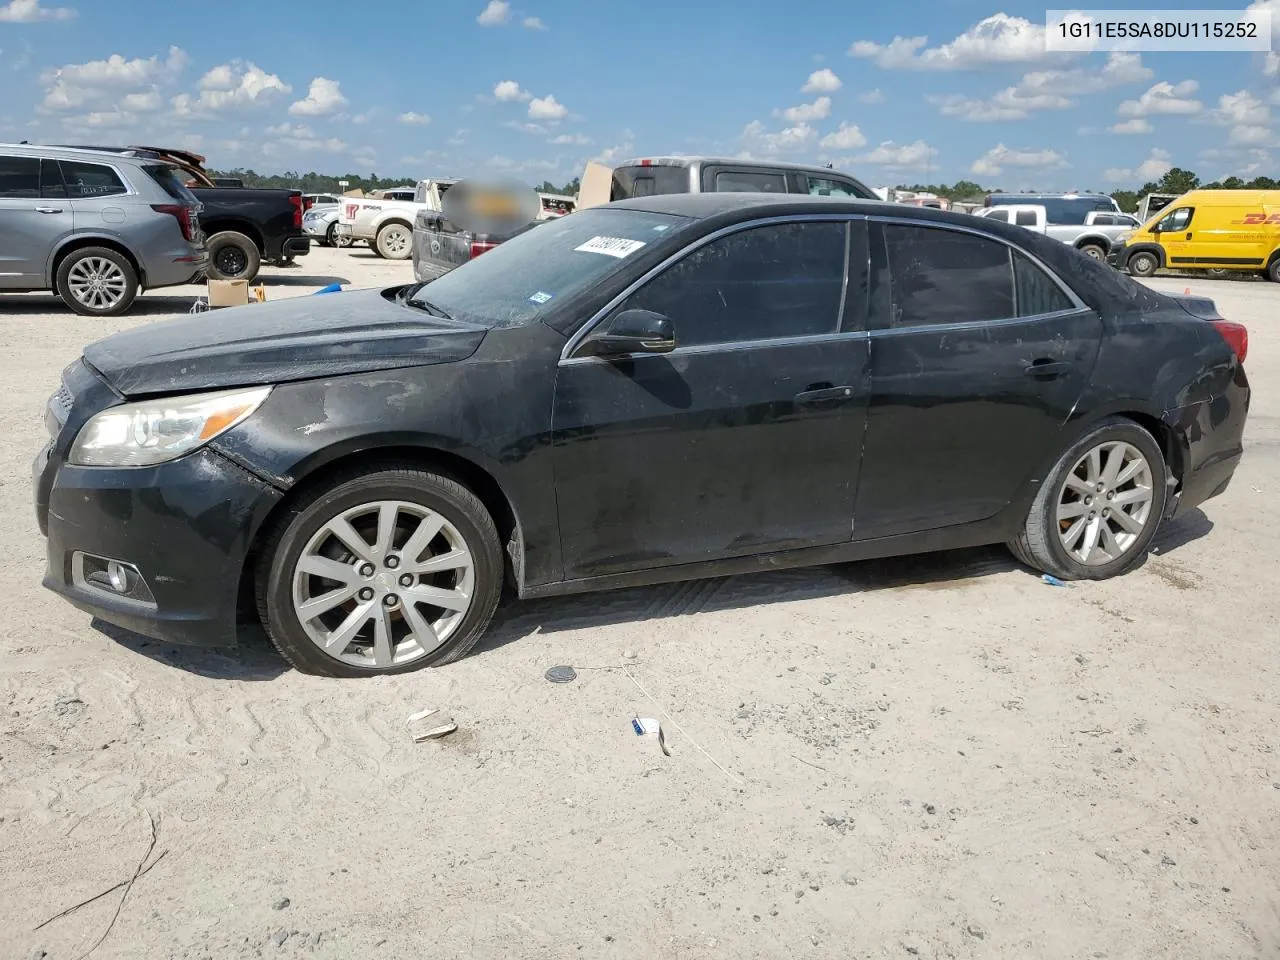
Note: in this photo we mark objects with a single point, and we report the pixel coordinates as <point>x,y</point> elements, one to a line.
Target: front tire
<point>331,236</point>
<point>97,282</point>
<point>394,242</point>
<point>1143,264</point>
<point>380,573</point>
<point>233,256</point>
<point>1093,251</point>
<point>1097,510</point>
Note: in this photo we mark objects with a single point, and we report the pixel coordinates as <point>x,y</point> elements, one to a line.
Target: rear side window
<point>87,181</point>
<point>19,178</point>
<point>652,181</point>
<point>944,276</point>
<point>169,181</point>
<point>1036,291</point>
<point>822,187</point>
<point>749,181</point>
<point>1001,215</point>
<point>51,185</point>
<point>1026,218</point>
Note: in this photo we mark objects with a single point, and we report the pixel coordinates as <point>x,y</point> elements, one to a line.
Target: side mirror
<point>632,331</point>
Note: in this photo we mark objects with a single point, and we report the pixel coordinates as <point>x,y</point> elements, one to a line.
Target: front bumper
<point>185,526</point>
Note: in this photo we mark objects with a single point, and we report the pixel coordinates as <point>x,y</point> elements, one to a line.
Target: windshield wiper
<point>431,308</point>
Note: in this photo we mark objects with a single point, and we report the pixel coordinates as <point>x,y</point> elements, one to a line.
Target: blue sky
<point>535,88</point>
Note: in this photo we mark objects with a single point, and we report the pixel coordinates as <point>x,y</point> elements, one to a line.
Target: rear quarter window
<point>168,180</point>
<point>652,181</point>
<point>88,181</point>
<point>749,181</point>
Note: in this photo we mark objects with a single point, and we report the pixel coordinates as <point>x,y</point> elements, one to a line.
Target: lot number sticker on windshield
<point>611,246</point>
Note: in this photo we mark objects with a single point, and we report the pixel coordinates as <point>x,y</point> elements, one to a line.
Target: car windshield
<point>518,281</point>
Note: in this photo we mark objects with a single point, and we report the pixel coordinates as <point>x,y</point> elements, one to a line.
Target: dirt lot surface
<point>935,757</point>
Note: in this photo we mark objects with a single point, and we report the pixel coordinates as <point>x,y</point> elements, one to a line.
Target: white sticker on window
<point>611,246</point>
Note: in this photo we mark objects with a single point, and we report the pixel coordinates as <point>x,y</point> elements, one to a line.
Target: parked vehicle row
<point>1092,237</point>
<point>386,224</point>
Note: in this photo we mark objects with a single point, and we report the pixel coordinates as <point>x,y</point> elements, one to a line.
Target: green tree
<point>1126,200</point>
<point>1178,181</point>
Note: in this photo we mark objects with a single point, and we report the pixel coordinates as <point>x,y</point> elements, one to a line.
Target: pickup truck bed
<point>439,246</point>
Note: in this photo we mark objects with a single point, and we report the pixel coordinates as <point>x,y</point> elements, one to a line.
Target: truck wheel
<point>1143,264</point>
<point>394,242</point>
<point>1093,250</point>
<point>233,256</point>
<point>97,282</point>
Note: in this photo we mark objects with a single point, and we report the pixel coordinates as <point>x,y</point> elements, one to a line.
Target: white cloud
<point>817,110</point>
<point>998,39</point>
<point>1046,90</point>
<point>324,97</point>
<point>535,128</point>
<point>143,102</point>
<point>495,14</point>
<point>412,119</point>
<point>1241,107</point>
<point>1153,168</point>
<point>622,150</point>
<point>994,161</point>
<point>848,137</point>
<point>459,138</point>
<point>822,81</point>
<point>1164,99</point>
<point>872,96</point>
<point>533,23</point>
<point>1268,5</point>
<point>1136,125</point>
<point>907,156</point>
<point>99,82</point>
<point>287,129</point>
<point>30,11</point>
<point>508,91</point>
<point>546,108</point>
<point>229,86</point>
<point>572,139</point>
<point>756,141</point>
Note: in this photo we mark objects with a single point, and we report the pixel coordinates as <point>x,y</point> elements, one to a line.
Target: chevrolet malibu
<point>653,390</point>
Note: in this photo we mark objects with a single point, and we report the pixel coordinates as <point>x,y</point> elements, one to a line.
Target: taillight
<point>1236,335</point>
<point>183,216</point>
<point>480,246</point>
<point>297,211</point>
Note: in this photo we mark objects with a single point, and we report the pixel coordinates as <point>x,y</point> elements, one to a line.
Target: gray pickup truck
<point>1093,237</point>
<point>439,246</point>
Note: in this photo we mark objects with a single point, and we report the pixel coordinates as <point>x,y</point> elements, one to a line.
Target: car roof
<point>51,151</point>
<point>701,206</point>
<point>675,161</point>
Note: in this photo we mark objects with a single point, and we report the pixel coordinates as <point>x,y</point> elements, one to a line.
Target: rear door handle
<point>823,394</point>
<point>48,209</point>
<point>1046,369</point>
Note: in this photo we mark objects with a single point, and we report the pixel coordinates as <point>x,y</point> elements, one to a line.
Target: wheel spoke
<point>329,569</point>
<point>387,514</point>
<point>438,597</point>
<point>1093,466</point>
<point>324,603</point>
<point>428,527</point>
<point>453,560</point>
<point>1074,532</point>
<point>1135,496</point>
<point>352,540</point>
<point>1130,524</point>
<point>1115,460</point>
<point>1091,534</point>
<point>1068,511</point>
<point>1129,472</point>
<point>383,656</point>
<point>1109,542</point>
<point>423,631</point>
<point>1082,487</point>
<point>339,639</point>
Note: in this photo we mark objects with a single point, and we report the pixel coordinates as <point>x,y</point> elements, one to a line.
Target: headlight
<point>154,431</point>
<point>1124,237</point>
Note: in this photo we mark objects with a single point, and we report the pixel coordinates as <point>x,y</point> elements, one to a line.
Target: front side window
<point>750,181</point>
<point>940,276</point>
<point>87,181</point>
<point>1001,215</point>
<point>19,178</point>
<point>1176,221</point>
<point>822,187</point>
<point>763,283</point>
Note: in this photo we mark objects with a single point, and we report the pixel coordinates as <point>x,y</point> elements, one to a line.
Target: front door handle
<point>48,209</point>
<point>823,394</point>
<point>1046,369</point>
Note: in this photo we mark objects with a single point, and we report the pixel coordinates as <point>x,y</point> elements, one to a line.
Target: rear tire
<point>394,242</point>
<point>1070,512</point>
<point>1143,264</point>
<point>233,256</point>
<point>97,282</point>
<point>413,499</point>
<point>1218,273</point>
<point>1273,270</point>
<point>1093,251</point>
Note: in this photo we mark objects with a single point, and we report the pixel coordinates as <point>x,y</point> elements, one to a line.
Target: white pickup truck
<point>387,225</point>
<point>1093,237</point>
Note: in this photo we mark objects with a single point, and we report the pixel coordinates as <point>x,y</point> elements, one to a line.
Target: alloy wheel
<point>98,283</point>
<point>395,241</point>
<point>1104,504</point>
<point>383,584</point>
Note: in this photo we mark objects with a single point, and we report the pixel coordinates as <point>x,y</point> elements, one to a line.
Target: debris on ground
<point>430,724</point>
<point>651,727</point>
<point>1053,581</point>
<point>562,674</point>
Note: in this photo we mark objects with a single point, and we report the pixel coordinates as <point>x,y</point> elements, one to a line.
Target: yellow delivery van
<point>1213,230</point>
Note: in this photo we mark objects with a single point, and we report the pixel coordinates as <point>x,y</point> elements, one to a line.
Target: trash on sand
<point>650,727</point>
<point>563,674</point>
<point>1053,581</point>
<point>331,288</point>
<point>430,724</point>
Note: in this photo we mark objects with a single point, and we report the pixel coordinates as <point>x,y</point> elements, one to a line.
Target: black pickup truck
<point>244,227</point>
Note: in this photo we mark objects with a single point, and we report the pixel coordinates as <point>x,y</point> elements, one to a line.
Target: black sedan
<point>652,390</point>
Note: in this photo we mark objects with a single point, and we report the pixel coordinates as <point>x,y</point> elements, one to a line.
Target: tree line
<point>323,183</point>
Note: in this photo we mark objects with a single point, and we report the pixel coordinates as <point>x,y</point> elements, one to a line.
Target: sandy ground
<point>936,757</point>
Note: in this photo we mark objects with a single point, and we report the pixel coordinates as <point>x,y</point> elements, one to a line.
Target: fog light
<point>106,575</point>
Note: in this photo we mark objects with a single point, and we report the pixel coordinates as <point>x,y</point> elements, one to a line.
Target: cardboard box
<point>228,293</point>
<point>596,186</point>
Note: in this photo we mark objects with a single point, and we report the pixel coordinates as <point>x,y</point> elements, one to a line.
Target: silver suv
<point>94,228</point>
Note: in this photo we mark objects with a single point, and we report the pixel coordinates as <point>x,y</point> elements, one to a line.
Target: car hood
<point>301,338</point>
